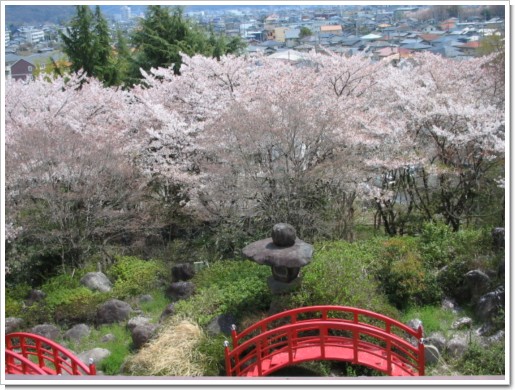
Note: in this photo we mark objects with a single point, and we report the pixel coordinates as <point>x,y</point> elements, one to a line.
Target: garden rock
<point>437,340</point>
<point>431,354</point>
<point>221,324</point>
<point>108,337</point>
<point>182,272</point>
<point>77,332</point>
<point>490,304</point>
<point>141,334</point>
<point>35,296</point>
<point>96,281</point>
<point>95,355</point>
<point>180,290</point>
<point>113,311</point>
<point>499,336</point>
<point>146,298</point>
<point>457,346</point>
<point>167,312</point>
<point>450,304</point>
<point>136,321</point>
<point>498,238</point>
<point>462,323</point>
<point>13,324</point>
<point>49,331</point>
<point>477,283</point>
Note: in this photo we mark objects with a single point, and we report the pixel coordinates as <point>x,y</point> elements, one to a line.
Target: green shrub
<point>479,360</point>
<point>402,275</point>
<point>236,287</point>
<point>434,318</point>
<point>339,274</point>
<point>435,244</point>
<point>133,276</point>
<point>13,307</point>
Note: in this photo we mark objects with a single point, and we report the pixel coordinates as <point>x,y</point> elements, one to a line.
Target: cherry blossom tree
<point>442,134</point>
<point>70,183</point>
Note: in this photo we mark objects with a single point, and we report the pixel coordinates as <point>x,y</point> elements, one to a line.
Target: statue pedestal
<point>279,288</point>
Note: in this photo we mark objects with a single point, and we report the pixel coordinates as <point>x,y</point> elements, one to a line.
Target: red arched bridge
<point>341,333</point>
<point>31,354</point>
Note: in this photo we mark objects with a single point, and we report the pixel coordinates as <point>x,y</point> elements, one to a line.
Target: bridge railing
<point>18,364</point>
<point>51,358</point>
<point>281,331</point>
<point>292,337</point>
<point>324,312</point>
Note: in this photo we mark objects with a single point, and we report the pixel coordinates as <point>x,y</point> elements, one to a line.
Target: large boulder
<point>77,332</point>
<point>141,334</point>
<point>96,281</point>
<point>48,331</point>
<point>182,272</point>
<point>113,311</point>
<point>477,283</point>
<point>136,321</point>
<point>180,290</point>
<point>437,340</point>
<point>457,346</point>
<point>490,305</point>
<point>35,296</point>
<point>13,324</point>
<point>498,238</point>
<point>95,355</point>
<point>221,324</point>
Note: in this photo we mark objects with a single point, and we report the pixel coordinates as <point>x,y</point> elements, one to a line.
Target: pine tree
<point>87,45</point>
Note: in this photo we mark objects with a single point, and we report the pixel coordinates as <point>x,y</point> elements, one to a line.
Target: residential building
<point>280,34</point>
<point>19,70</point>
<point>335,29</point>
<point>31,35</point>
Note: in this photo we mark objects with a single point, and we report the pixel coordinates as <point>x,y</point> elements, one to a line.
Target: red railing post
<point>228,368</point>
<point>323,333</point>
<point>57,362</point>
<point>258,357</point>
<point>92,367</point>
<point>388,349</point>
<point>234,336</point>
<point>290,346</point>
<point>421,352</point>
<point>355,338</point>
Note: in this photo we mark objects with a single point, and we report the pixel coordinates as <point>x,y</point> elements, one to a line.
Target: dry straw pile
<point>173,352</point>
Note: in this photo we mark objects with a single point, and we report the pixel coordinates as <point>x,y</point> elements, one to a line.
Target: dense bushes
<point>237,287</point>
<point>135,276</point>
<point>340,274</point>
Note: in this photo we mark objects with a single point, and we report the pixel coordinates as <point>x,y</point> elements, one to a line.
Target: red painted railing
<point>326,333</point>
<point>50,358</point>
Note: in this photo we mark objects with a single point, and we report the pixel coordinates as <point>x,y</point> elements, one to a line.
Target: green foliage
<point>479,360</point>
<point>434,318</point>
<point>339,274</point>
<point>133,276</point>
<point>87,44</point>
<point>232,287</point>
<point>402,274</point>
<point>13,307</point>
<point>73,304</point>
<point>164,33</point>
<point>211,348</point>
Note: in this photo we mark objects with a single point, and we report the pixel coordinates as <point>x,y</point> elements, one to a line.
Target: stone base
<point>279,288</point>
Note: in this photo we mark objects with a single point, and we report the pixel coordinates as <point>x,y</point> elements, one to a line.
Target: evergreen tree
<point>165,33</point>
<point>87,45</point>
